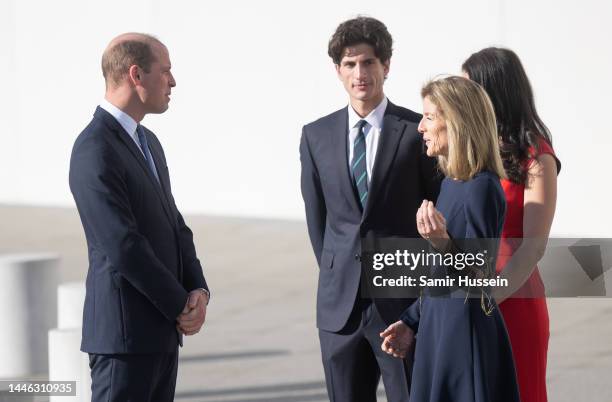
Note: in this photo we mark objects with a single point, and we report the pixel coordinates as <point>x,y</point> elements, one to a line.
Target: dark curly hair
<point>361,30</point>
<point>502,75</point>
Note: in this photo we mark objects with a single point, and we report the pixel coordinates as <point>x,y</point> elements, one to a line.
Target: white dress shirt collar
<point>374,118</point>
<point>124,119</point>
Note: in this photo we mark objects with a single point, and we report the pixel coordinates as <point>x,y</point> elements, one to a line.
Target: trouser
<point>353,360</point>
<point>133,377</point>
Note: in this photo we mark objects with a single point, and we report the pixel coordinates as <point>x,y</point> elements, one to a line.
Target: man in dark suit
<point>145,288</point>
<point>364,172</point>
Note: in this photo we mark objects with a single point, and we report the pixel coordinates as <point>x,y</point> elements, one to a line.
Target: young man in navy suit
<point>364,172</point>
<point>145,288</point>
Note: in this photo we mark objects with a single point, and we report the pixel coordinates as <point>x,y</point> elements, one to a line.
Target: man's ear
<point>135,74</point>
<point>386,67</point>
<point>337,66</point>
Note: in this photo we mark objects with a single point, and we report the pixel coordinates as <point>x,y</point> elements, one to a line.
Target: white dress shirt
<point>124,119</point>
<point>371,130</point>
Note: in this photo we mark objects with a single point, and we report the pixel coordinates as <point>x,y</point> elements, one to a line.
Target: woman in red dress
<point>531,193</point>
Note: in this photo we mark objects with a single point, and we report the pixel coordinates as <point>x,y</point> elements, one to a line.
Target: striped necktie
<point>359,166</point>
<point>144,146</point>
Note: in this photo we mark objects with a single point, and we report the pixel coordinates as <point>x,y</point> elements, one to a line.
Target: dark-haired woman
<point>531,190</point>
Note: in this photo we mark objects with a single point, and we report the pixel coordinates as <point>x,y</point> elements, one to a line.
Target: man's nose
<point>172,81</point>
<point>360,72</point>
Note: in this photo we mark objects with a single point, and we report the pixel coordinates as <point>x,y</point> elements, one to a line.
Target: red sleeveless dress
<point>526,314</point>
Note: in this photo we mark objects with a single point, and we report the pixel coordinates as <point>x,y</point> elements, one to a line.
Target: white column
<point>27,307</point>
<point>66,361</point>
<point>70,301</point>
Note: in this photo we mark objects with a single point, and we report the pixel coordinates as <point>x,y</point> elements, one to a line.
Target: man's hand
<point>398,339</point>
<point>190,321</point>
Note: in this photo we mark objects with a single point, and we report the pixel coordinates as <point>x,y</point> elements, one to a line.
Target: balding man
<point>145,286</point>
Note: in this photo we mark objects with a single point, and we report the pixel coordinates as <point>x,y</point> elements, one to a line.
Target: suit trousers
<point>353,360</point>
<point>133,377</point>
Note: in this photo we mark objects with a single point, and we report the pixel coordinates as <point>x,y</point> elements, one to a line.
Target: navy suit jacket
<point>142,261</point>
<point>402,177</point>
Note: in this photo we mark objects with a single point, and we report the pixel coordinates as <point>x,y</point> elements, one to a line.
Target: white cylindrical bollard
<point>28,284</point>
<point>68,363</point>
<point>70,301</point>
<point>85,387</point>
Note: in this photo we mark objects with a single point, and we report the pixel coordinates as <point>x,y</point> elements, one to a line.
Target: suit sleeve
<point>193,277</point>
<point>101,197</point>
<point>484,210</point>
<point>431,177</point>
<point>412,315</point>
<point>312,193</point>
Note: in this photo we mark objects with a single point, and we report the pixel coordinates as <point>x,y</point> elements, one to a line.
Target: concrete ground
<point>260,342</point>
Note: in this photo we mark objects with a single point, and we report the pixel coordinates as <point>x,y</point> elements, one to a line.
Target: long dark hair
<point>502,75</point>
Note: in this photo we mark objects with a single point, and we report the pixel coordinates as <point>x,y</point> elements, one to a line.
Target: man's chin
<point>362,96</point>
<point>160,109</point>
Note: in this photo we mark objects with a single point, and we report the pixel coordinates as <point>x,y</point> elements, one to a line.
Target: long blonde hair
<point>468,113</point>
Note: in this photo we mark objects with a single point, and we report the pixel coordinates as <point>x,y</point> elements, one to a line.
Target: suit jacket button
<point>357,257</point>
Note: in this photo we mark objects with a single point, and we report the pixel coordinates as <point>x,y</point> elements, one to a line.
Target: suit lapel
<point>159,162</point>
<point>339,133</point>
<point>393,129</point>
<point>164,181</point>
<point>137,154</point>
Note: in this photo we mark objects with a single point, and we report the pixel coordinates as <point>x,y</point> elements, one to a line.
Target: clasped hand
<point>398,339</point>
<point>431,225</point>
<point>190,321</point>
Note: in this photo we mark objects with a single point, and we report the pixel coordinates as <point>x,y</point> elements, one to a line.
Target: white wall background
<point>250,74</point>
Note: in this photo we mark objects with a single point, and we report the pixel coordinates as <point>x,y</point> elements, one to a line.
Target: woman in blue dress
<point>462,351</point>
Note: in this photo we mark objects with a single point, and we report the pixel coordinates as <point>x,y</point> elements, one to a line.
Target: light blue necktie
<point>359,167</point>
<point>144,145</point>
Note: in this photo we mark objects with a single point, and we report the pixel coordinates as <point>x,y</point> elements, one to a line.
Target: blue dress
<point>463,354</point>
